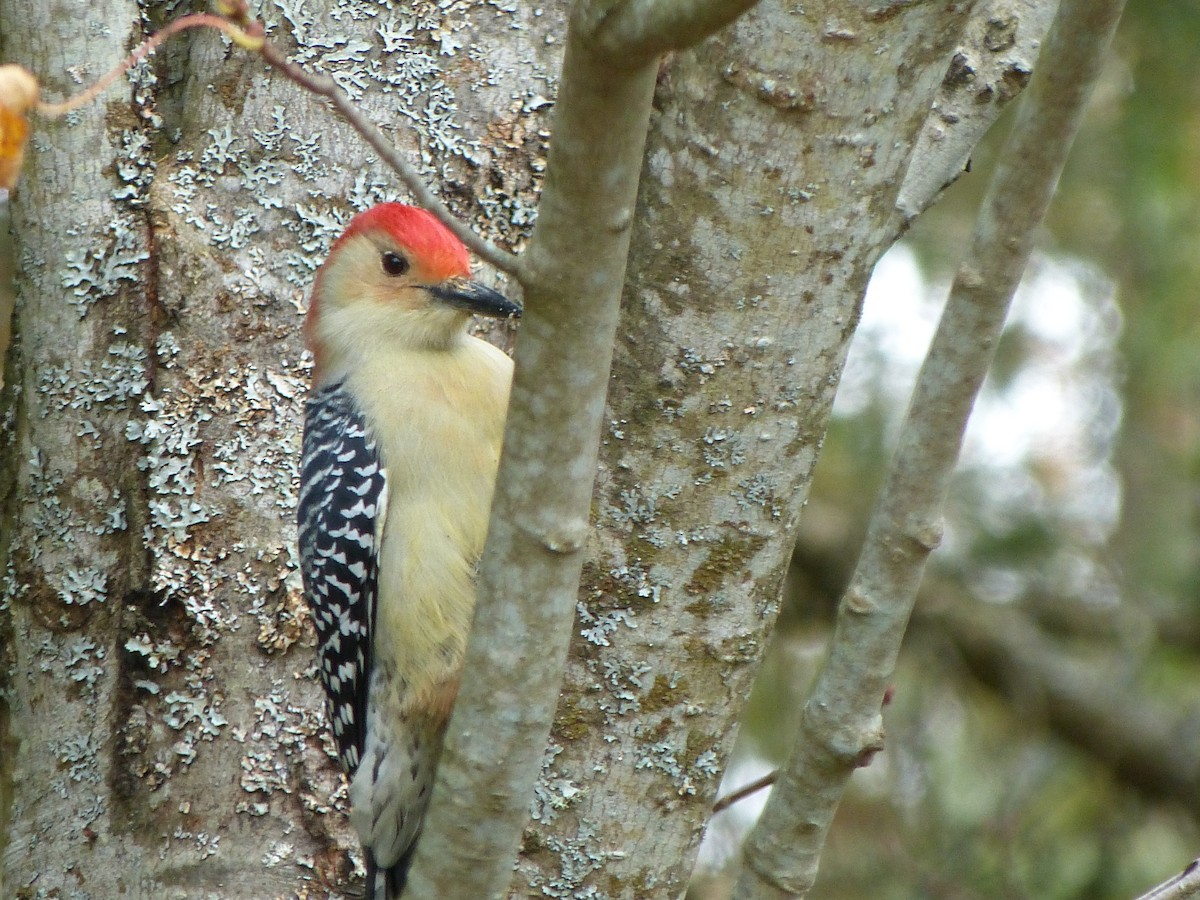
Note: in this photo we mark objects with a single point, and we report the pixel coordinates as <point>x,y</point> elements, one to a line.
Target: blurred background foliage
<point>1044,737</point>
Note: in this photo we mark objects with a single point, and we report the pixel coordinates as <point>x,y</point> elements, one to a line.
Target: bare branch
<point>573,273</point>
<point>842,724</point>
<point>633,32</point>
<point>1145,742</point>
<point>328,88</point>
<point>1183,886</point>
<point>144,49</point>
<point>989,71</point>
<point>746,790</point>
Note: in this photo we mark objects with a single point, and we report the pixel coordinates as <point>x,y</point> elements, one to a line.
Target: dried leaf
<point>18,92</point>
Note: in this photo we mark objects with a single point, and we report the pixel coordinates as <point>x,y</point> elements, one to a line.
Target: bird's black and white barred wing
<point>343,491</point>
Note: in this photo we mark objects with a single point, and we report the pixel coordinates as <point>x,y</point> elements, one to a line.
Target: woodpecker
<point>402,434</point>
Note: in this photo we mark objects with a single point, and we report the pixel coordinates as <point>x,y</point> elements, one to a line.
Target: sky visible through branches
<point>1056,411</point>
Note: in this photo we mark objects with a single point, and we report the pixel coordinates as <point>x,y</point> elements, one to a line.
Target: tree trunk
<point>163,729</point>
<point>769,191</point>
<point>162,733</point>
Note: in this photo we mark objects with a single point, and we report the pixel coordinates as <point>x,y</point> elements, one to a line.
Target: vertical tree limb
<point>573,274</point>
<point>842,726</point>
<point>744,279</point>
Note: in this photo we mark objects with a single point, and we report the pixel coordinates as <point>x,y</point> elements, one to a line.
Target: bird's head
<point>396,275</point>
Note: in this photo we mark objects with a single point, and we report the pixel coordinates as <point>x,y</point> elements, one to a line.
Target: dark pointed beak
<point>473,297</point>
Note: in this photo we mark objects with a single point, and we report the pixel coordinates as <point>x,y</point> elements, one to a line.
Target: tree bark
<point>162,728</point>
<point>842,726</point>
<point>158,666</point>
<point>769,190</point>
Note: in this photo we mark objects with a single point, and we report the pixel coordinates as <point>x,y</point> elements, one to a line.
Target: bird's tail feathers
<point>388,884</point>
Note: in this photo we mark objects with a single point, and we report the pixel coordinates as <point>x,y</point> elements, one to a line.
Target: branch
<point>20,91</point>
<point>746,790</point>
<point>1148,746</point>
<point>573,274</point>
<point>842,726</point>
<point>638,31</point>
<point>326,87</point>
<point>1183,886</point>
<point>989,71</point>
<point>144,49</point>
<point>250,34</point>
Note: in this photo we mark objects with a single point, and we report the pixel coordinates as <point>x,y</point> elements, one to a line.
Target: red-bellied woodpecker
<point>402,434</point>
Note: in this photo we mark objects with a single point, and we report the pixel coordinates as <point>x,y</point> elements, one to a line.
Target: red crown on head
<point>438,252</point>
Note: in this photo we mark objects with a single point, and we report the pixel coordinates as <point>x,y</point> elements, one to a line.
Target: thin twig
<point>745,791</point>
<point>251,35</point>
<point>326,87</point>
<point>144,49</point>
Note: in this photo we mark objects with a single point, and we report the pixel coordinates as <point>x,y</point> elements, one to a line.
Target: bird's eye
<point>394,264</point>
